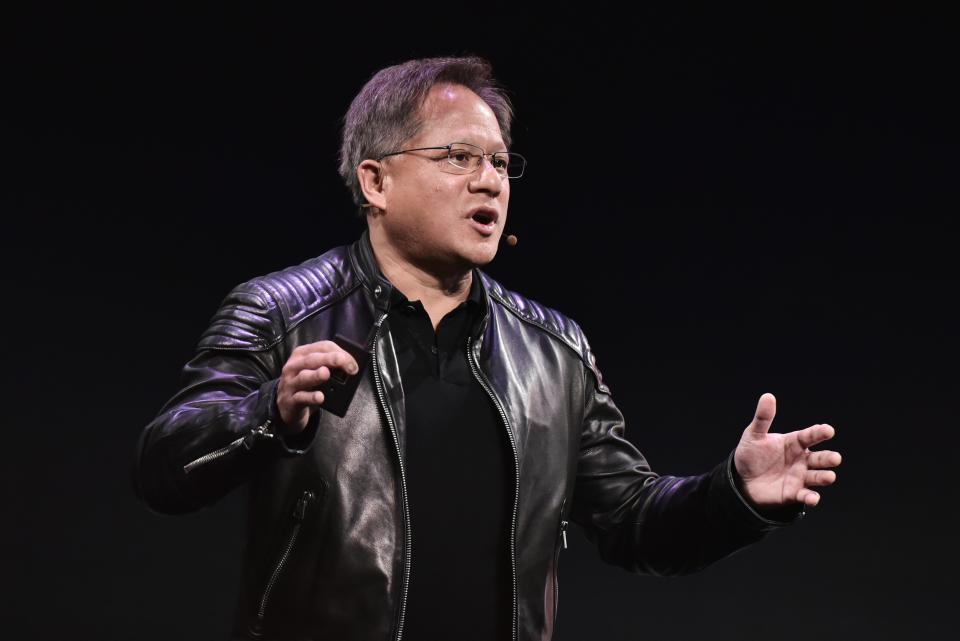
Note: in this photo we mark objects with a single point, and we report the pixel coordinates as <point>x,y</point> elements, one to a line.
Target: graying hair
<point>386,112</point>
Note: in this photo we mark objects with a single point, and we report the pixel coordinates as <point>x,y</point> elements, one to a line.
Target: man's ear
<point>371,176</point>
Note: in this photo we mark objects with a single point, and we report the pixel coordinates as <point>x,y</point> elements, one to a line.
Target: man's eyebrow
<point>502,148</point>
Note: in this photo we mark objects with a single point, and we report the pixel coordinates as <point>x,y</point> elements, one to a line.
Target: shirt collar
<point>385,295</point>
<point>474,302</point>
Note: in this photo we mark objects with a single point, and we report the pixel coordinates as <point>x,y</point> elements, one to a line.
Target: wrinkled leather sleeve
<point>228,390</point>
<point>653,524</point>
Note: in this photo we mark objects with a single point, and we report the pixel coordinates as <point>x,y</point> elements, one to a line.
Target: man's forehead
<point>456,110</point>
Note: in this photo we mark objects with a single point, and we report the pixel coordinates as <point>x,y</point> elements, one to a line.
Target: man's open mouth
<point>484,218</point>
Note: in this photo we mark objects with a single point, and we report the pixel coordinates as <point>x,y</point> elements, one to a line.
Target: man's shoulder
<point>549,320</point>
<point>300,290</point>
<point>258,312</point>
<point>546,318</point>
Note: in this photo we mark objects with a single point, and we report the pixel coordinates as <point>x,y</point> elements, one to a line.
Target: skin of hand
<point>308,366</point>
<point>778,469</point>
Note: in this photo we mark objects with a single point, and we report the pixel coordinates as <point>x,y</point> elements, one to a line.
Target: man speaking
<point>416,437</point>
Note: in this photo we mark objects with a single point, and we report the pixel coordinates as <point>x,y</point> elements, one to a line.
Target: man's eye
<point>460,156</point>
<point>499,162</point>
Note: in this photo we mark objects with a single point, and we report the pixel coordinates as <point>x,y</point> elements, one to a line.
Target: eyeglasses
<point>465,158</point>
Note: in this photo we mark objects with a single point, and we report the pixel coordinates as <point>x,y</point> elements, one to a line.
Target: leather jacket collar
<point>381,290</point>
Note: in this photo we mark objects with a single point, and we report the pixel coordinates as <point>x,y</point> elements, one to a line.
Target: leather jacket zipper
<point>556,563</point>
<point>378,382</point>
<point>299,511</point>
<point>247,441</point>
<point>481,378</point>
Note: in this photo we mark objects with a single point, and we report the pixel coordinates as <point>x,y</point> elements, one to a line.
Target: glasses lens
<point>512,164</point>
<point>465,157</point>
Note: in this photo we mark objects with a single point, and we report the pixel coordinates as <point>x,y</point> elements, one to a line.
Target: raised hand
<point>780,468</point>
<point>308,366</point>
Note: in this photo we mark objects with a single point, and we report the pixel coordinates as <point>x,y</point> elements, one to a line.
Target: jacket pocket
<point>300,509</point>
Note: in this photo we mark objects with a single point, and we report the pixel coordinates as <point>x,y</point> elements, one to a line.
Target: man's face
<point>429,214</point>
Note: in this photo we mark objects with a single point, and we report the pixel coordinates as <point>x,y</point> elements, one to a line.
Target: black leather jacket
<point>330,542</point>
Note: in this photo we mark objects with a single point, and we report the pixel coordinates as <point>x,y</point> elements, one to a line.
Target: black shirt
<point>459,479</point>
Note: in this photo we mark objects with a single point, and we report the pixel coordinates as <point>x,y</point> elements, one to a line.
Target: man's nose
<point>486,178</point>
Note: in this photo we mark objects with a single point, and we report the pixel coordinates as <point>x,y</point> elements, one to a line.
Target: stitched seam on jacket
<point>325,303</point>
<point>329,301</point>
<point>549,330</point>
<point>272,305</point>
<point>552,332</point>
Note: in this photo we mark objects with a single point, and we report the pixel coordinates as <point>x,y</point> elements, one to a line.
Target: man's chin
<point>479,258</point>
<point>486,250</point>
<point>457,260</point>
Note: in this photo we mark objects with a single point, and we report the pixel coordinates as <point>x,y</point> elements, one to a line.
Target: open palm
<point>780,468</point>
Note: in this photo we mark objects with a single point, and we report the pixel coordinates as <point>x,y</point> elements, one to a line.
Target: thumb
<point>766,410</point>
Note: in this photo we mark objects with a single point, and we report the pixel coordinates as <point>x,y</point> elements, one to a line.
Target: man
<point>437,505</point>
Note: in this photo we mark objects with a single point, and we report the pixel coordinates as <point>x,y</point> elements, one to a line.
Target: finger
<point>766,410</point>
<point>344,361</point>
<point>339,359</point>
<point>314,360</point>
<point>307,398</point>
<point>308,360</point>
<point>815,478</point>
<point>301,361</point>
<point>319,346</point>
<point>815,434</point>
<point>808,497</point>
<point>823,458</point>
<point>310,378</point>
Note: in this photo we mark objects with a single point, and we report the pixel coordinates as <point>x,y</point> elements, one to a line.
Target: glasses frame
<point>482,155</point>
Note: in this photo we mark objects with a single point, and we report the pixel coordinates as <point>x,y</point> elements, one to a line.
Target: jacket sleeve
<point>218,430</point>
<point>653,524</point>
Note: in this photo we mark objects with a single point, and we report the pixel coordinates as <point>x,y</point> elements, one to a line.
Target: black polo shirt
<point>459,471</point>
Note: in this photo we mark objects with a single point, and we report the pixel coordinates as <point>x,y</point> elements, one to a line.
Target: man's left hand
<point>780,468</point>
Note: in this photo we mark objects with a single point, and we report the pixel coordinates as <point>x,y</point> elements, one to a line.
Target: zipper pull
<point>261,431</point>
<point>563,533</point>
<point>301,509</point>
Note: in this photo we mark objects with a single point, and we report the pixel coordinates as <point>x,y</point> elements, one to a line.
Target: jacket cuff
<point>770,517</point>
<point>289,444</point>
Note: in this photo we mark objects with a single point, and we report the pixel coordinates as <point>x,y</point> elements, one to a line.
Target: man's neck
<point>439,294</point>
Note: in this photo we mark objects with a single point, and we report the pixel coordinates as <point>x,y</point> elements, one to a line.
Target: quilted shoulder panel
<point>257,314</point>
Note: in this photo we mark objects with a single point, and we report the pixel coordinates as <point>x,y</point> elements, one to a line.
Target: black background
<point>728,201</point>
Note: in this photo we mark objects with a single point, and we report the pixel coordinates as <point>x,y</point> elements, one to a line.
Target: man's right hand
<point>308,366</point>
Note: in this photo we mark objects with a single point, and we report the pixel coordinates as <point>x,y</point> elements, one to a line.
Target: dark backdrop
<point>729,202</point>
